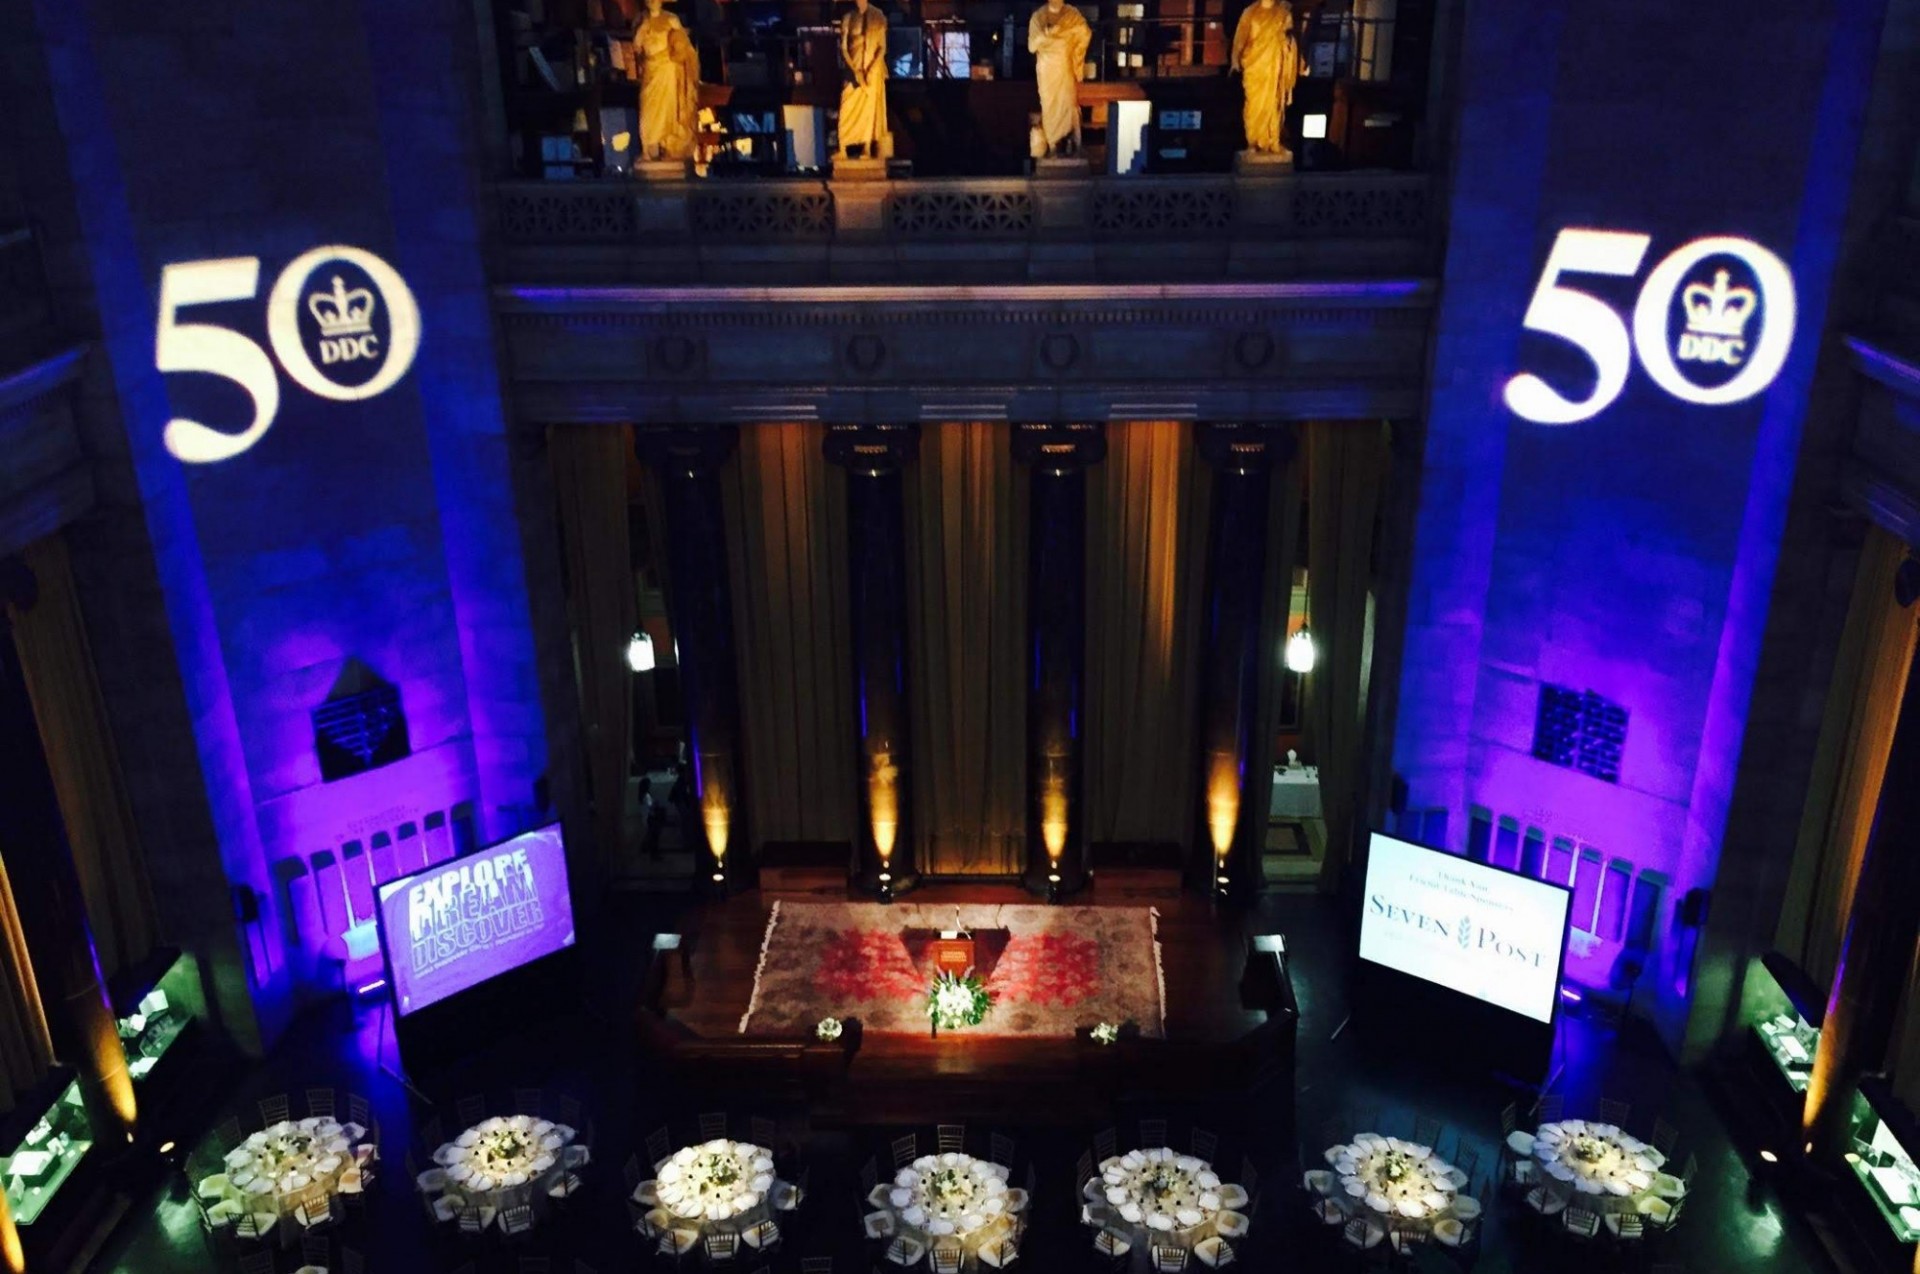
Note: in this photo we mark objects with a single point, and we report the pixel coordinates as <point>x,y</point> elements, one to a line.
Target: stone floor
<point>1733,1225</point>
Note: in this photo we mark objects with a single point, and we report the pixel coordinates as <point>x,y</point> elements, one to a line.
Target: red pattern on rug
<point>1062,968</point>
<point>1049,968</point>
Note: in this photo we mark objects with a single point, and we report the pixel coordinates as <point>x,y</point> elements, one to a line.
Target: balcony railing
<point>964,229</point>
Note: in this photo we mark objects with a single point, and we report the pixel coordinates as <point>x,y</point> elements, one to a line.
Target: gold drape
<point>1870,675</point>
<point>1146,563</point>
<point>590,485</point>
<point>72,717</point>
<point>1346,471</point>
<point>26,1050</point>
<point>787,558</point>
<point>966,630</point>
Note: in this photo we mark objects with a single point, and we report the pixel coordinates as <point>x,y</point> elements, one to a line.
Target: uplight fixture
<point>640,653</point>
<point>1300,652</point>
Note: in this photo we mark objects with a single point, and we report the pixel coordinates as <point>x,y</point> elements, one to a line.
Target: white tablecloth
<point>950,1197</point>
<point>1159,1196</point>
<point>274,1169</point>
<point>1296,792</point>
<point>1394,1181</point>
<point>504,1162</point>
<point>1597,1166</point>
<point>718,1183</point>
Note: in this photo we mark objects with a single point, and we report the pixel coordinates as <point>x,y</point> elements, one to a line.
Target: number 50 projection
<point>342,321</point>
<point>1717,313</point>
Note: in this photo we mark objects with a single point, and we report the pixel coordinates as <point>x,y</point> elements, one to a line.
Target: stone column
<point>874,457</point>
<point>1058,456</point>
<point>53,911</point>
<point>1876,953</point>
<point>1231,828</point>
<point>700,604</point>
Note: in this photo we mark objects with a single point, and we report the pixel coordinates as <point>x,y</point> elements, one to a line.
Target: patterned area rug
<point>1055,970</point>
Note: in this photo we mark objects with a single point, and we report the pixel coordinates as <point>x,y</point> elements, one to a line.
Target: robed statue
<point>863,82</point>
<point>669,85</point>
<point>1058,36</point>
<point>1266,56</point>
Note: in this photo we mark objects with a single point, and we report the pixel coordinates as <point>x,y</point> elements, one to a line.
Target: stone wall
<point>382,530</point>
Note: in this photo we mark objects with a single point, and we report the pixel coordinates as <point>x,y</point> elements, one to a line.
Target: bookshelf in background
<point>571,87</point>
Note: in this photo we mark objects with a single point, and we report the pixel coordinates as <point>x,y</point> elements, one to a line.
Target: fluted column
<point>688,462</point>
<point>1058,456</point>
<point>873,457</point>
<point>53,911</point>
<point>1876,953</point>
<point>1231,826</point>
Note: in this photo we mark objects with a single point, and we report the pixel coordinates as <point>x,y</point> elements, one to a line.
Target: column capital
<point>872,449</point>
<point>1060,448</point>
<point>692,448</point>
<point>1246,448</point>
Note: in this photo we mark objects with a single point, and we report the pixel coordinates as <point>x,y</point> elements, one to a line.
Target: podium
<point>952,955</point>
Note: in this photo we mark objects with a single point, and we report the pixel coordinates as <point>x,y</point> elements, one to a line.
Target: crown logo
<point>1719,310</point>
<point>342,312</point>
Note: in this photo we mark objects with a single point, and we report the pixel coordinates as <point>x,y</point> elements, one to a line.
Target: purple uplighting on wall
<point>1626,552</point>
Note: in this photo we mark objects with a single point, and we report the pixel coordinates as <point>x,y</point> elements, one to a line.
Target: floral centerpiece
<point>1394,1165</point>
<point>287,1150</point>
<point>505,1149</point>
<point>1105,1033</point>
<point>1589,1149</point>
<point>955,1001</point>
<point>829,1029</point>
<point>715,1171</point>
<point>950,1192</point>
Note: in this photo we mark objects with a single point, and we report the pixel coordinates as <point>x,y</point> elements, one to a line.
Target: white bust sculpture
<point>1266,56</point>
<point>1058,36</point>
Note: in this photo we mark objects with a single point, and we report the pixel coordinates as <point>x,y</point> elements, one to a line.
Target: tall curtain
<point>1346,473</point>
<point>26,1050</point>
<point>787,556</point>
<point>72,718</point>
<point>1850,759</point>
<point>1146,571</point>
<point>590,484</point>
<point>966,631</point>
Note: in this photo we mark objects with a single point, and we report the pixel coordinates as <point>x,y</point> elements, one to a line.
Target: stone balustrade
<point>1010,229</point>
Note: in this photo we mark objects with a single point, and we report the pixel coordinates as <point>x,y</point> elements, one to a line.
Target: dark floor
<point>1732,1223</point>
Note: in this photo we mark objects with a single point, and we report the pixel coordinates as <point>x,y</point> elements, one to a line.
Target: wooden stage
<point>1229,1026</point>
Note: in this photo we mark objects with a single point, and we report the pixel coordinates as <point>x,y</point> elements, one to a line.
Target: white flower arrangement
<point>955,1001</point>
<point>829,1029</point>
<point>1105,1033</point>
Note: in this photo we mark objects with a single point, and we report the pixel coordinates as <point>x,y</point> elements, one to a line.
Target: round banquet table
<point>274,1170</point>
<point>719,1184</point>
<point>943,1197</point>
<point>1160,1196</point>
<point>504,1162</point>
<point>1394,1182</point>
<point>1598,1167</point>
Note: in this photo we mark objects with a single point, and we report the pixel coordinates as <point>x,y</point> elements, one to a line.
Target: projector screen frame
<point>386,889</point>
<point>1552,1020</point>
